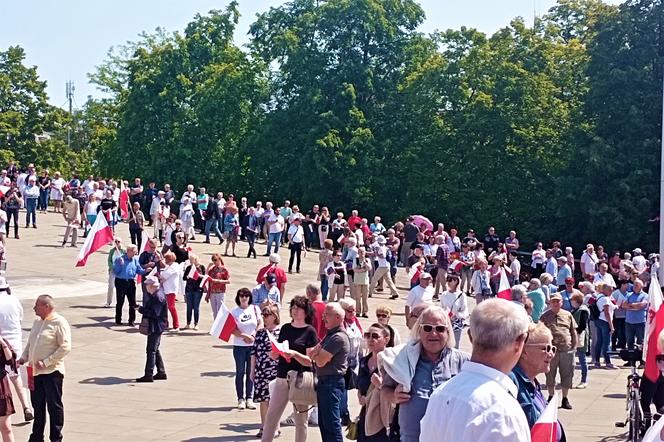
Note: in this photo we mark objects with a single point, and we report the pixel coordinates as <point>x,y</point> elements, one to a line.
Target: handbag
<point>352,430</point>
<point>144,326</point>
<point>302,389</point>
<point>350,379</point>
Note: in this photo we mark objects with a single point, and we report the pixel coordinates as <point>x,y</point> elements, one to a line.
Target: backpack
<point>594,309</point>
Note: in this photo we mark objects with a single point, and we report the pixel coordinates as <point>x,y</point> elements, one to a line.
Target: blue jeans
<point>273,238</point>
<point>31,209</point>
<point>324,287</point>
<point>634,331</point>
<point>43,199</point>
<point>242,356</point>
<point>603,340</point>
<point>193,300</point>
<point>581,354</point>
<point>212,225</point>
<point>330,391</point>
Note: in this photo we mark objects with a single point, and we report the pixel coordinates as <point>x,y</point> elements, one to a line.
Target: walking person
<point>251,230</point>
<point>382,272</point>
<point>360,283</point>
<point>155,311</point>
<point>71,212</point>
<point>48,345</point>
<point>136,222</point>
<point>231,229</point>
<point>248,322</point>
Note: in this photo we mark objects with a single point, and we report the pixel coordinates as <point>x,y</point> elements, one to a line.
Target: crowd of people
<point>420,387</point>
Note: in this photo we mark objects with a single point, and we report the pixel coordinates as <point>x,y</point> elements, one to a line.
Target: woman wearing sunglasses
<point>535,360</point>
<point>248,321</point>
<point>383,316</point>
<point>413,371</point>
<point>263,367</point>
<point>375,338</point>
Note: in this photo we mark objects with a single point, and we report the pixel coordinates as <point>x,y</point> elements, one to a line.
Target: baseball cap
<point>271,278</point>
<point>426,275</point>
<point>555,296</point>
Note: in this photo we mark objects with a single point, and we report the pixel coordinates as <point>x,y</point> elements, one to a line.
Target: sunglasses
<point>374,335</point>
<point>428,328</point>
<point>267,313</point>
<point>245,296</point>
<point>548,348</point>
<point>382,315</point>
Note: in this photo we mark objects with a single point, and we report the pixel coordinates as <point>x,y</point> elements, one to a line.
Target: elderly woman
<point>187,218</point>
<point>155,320</point>
<point>231,229</point>
<point>383,316</point>
<point>376,339</point>
<point>325,257</point>
<point>354,331</point>
<point>170,282</point>
<point>481,282</point>
<point>581,315</point>
<point>535,360</point>
<point>454,301</point>
<point>413,371</point>
<point>263,367</point>
<point>300,336</point>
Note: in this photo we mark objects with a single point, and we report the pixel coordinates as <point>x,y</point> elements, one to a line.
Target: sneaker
<point>250,405</point>
<point>565,404</point>
<point>241,404</point>
<point>145,379</point>
<point>277,434</point>
<point>288,422</point>
<point>107,305</point>
<point>597,365</point>
<point>160,377</point>
<point>582,386</point>
<point>175,330</point>
<point>28,414</point>
<point>259,435</point>
<point>186,327</point>
<point>313,417</point>
<point>195,326</point>
<point>610,367</point>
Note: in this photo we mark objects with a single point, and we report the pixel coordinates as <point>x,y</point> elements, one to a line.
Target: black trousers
<point>652,392</point>
<point>251,239</point>
<point>136,236</point>
<point>125,288</point>
<point>48,394</point>
<point>12,213</point>
<point>295,252</point>
<point>153,356</point>
<point>619,338</point>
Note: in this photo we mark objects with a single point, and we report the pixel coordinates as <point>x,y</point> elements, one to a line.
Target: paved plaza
<point>197,402</point>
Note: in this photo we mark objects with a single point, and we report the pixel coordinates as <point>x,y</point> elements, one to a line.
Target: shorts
<point>563,361</point>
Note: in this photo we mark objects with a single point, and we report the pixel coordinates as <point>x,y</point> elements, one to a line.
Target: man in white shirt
<point>589,261</point>
<point>604,277</point>
<point>479,404</point>
<point>275,228</point>
<point>639,261</point>
<point>420,294</point>
<point>295,243</point>
<point>88,185</point>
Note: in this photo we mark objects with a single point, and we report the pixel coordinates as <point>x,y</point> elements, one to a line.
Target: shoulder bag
<point>302,389</point>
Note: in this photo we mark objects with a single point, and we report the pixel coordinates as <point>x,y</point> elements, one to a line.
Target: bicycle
<point>634,419</point>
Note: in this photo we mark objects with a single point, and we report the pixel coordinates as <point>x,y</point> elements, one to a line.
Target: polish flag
<point>144,242</point>
<point>455,266</point>
<point>124,201</point>
<point>99,235</point>
<point>504,290</point>
<point>654,326</point>
<point>3,191</point>
<point>224,324</point>
<point>278,347</point>
<point>546,427</point>
<point>205,281</point>
<point>193,273</point>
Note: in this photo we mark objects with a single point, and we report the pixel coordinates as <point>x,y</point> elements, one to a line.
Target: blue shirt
<point>564,272</point>
<point>261,293</point>
<point>127,268</point>
<point>567,303</point>
<point>636,316</point>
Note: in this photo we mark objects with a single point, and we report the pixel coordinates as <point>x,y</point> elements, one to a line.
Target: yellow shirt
<point>49,342</point>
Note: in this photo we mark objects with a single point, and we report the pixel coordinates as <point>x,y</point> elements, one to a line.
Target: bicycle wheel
<point>635,419</point>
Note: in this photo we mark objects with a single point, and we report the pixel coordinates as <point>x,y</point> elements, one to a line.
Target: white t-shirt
<point>601,302</point>
<point>589,263</point>
<point>606,279</point>
<point>297,233</point>
<point>11,315</point>
<point>247,321</point>
<point>639,263</point>
<point>278,226</point>
<point>420,295</point>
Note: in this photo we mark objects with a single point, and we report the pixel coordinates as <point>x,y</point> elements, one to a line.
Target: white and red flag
<point>3,191</point>
<point>224,324</point>
<point>504,289</point>
<point>100,234</point>
<point>278,347</point>
<point>193,273</point>
<point>654,326</point>
<point>546,427</point>
<point>455,266</point>
<point>124,201</point>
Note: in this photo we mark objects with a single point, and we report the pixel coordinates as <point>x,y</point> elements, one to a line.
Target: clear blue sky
<point>66,39</point>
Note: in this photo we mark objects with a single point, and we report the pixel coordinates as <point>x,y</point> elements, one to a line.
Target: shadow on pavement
<point>616,438</point>
<point>217,374</point>
<point>196,409</point>
<point>220,438</point>
<point>91,307</point>
<point>111,380</point>
<point>614,396</point>
<point>53,246</point>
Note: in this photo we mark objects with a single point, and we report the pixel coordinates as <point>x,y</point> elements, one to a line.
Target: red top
<point>217,273</point>
<point>278,272</point>
<point>353,220</point>
<point>317,323</point>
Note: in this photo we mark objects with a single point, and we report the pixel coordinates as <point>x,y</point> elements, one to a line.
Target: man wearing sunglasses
<point>480,402</point>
